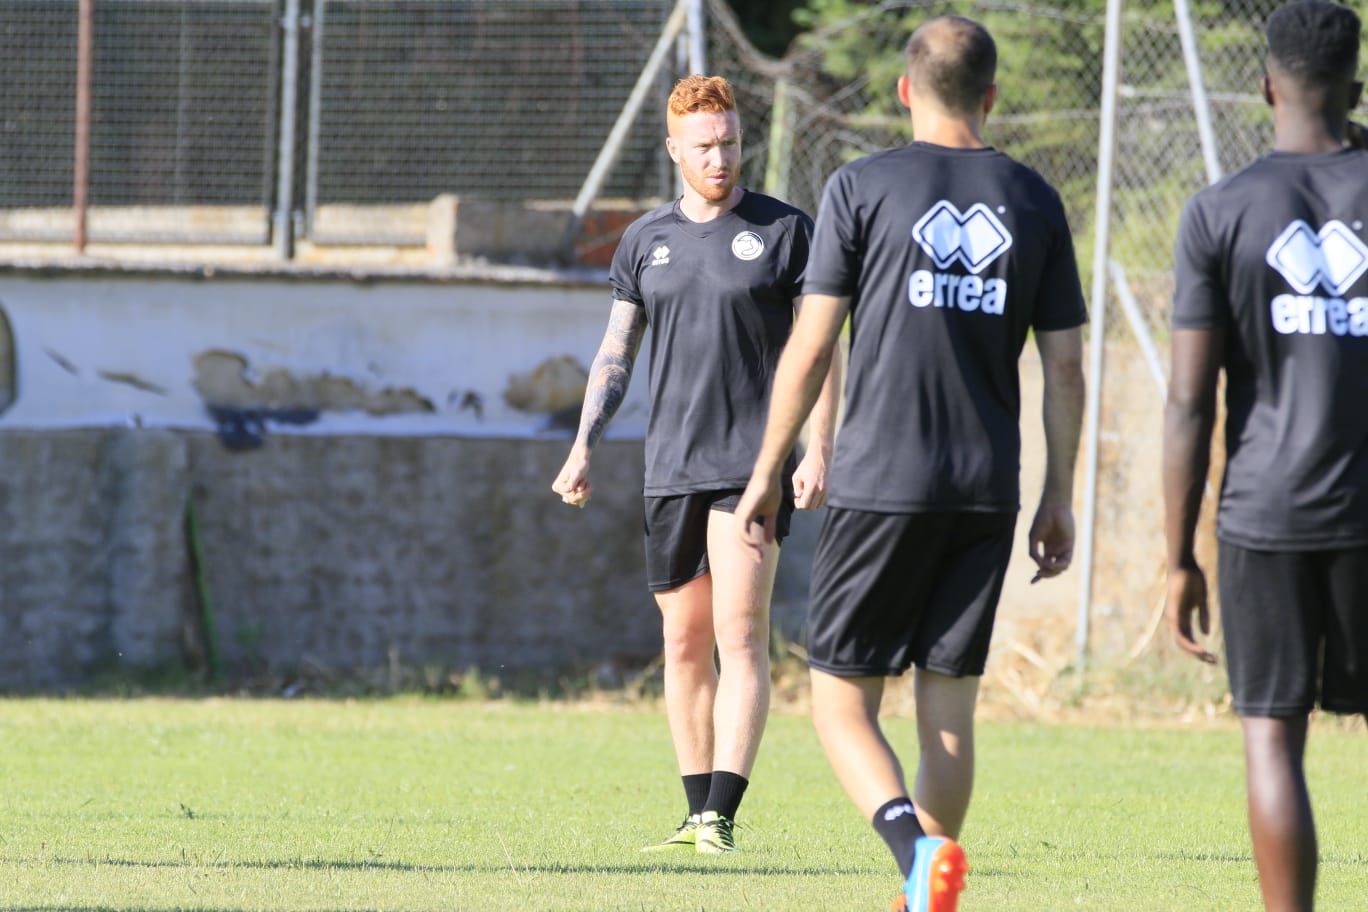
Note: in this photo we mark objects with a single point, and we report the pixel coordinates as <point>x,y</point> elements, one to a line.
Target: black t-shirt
<point>1277,256</point>
<point>719,298</point>
<point>950,256</point>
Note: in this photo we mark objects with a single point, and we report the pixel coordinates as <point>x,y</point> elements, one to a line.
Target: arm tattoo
<point>611,370</point>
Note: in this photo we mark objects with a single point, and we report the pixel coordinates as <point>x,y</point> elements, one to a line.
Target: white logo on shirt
<point>974,238</point>
<point>660,256</point>
<point>747,245</point>
<point>1333,257</point>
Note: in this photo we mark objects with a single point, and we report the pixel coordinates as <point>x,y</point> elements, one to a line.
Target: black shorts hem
<point>847,671</point>
<point>667,586</point>
<point>1281,711</point>
<point>948,672</point>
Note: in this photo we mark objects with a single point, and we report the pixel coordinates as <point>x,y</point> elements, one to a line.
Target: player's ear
<point>1355,94</point>
<point>1266,89</point>
<point>990,99</point>
<point>904,91</point>
<point>673,148</point>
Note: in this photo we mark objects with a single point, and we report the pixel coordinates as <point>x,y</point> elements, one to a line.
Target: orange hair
<point>709,94</point>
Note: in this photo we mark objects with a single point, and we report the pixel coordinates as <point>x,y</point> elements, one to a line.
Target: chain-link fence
<point>397,102</point>
<point>500,99</point>
<point>393,103</point>
<point>183,109</point>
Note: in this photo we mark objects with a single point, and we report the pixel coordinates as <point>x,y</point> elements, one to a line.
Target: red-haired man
<point>716,274</point>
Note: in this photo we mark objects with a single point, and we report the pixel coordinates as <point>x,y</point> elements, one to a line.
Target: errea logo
<point>1332,259</point>
<point>973,239</point>
<point>660,256</point>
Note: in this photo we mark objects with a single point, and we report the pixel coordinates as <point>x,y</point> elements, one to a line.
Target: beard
<point>709,190</point>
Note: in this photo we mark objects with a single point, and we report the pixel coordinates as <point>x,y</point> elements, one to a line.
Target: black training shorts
<point>677,534</point>
<point>1296,628</point>
<point>893,590</point>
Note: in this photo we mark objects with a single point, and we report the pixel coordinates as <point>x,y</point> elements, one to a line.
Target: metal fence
<point>392,102</point>
<point>383,103</point>
<point>182,114</point>
<point>506,100</point>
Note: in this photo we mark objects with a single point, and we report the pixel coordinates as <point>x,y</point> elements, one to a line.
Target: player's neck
<point>698,209</point>
<point>950,132</point>
<point>1308,132</point>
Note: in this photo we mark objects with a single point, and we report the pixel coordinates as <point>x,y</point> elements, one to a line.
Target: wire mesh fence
<point>500,99</point>
<point>182,114</point>
<point>397,101</point>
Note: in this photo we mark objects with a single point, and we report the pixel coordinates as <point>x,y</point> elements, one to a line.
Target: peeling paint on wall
<point>552,386</point>
<point>133,380</point>
<point>331,356</point>
<point>223,378</point>
<point>7,376</point>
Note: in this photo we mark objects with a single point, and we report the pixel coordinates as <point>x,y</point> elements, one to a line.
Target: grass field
<point>411,804</point>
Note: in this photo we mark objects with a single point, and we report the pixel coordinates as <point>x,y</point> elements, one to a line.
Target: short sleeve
<point>1059,301</point>
<point>834,265</point>
<point>800,249</point>
<point>623,275</point>
<point>1199,298</point>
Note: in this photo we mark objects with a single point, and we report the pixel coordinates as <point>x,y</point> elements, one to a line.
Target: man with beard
<point>716,274</point>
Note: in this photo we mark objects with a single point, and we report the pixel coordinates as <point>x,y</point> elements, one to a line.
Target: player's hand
<point>1052,539</point>
<point>572,484</point>
<point>1356,136</point>
<point>1187,595</point>
<point>809,482</point>
<point>757,514</point>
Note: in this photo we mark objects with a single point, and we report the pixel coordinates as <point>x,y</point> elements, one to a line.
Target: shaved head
<point>1314,43</point>
<point>953,61</point>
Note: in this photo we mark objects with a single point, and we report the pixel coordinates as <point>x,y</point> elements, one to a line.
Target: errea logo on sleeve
<point>974,239</point>
<point>1333,259</point>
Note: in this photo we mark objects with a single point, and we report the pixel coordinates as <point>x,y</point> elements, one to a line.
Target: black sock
<point>896,821</point>
<point>696,787</point>
<point>726,793</point>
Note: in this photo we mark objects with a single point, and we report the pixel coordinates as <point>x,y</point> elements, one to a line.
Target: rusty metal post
<point>85,52</point>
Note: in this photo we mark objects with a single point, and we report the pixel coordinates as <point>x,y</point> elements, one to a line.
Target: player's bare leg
<point>742,588</point>
<point>945,731</point>
<point>690,672</point>
<point>1281,824</point>
<point>845,713</point>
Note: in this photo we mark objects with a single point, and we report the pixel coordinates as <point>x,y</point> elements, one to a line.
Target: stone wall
<point>341,553</point>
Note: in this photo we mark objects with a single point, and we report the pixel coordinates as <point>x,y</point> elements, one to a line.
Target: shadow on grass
<point>700,866</point>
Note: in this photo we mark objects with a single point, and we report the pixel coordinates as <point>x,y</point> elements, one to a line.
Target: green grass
<point>412,804</point>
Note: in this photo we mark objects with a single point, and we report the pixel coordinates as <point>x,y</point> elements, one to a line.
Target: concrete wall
<point>355,536</point>
<point>327,552</point>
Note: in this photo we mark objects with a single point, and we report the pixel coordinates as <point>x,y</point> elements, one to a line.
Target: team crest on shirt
<point>747,245</point>
<point>660,256</point>
<point>1330,260</point>
<point>973,239</point>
